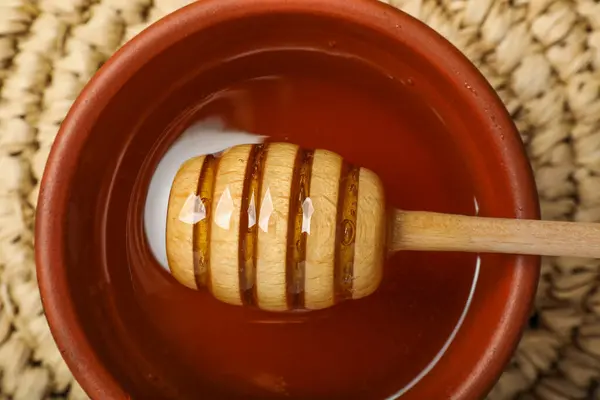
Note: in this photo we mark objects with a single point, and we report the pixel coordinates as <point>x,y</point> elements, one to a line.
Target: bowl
<point>356,77</point>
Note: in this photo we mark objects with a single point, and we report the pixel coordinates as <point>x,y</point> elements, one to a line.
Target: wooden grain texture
<point>427,231</point>
<point>225,228</point>
<point>321,243</point>
<point>371,226</point>
<point>273,220</point>
<point>289,228</point>
<point>179,234</point>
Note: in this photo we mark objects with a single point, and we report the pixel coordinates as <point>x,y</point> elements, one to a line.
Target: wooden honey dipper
<point>284,228</point>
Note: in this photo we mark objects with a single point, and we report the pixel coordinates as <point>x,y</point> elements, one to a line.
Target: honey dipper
<point>284,228</point>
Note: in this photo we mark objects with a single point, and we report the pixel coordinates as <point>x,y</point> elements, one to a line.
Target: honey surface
<point>368,348</point>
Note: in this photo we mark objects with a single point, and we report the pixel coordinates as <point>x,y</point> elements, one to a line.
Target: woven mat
<point>542,56</point>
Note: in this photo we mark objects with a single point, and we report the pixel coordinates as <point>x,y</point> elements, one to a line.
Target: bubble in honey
<point>348,232</point>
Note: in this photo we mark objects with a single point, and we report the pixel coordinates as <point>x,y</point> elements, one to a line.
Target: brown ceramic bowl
<point>356,77</point>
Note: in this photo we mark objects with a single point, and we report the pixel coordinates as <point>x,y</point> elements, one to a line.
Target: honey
<point>369,348</point>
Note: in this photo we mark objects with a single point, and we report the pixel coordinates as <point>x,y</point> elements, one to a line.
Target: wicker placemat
<point>542,56</point>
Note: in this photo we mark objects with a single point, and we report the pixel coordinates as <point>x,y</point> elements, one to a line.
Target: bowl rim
<point>53,198</point>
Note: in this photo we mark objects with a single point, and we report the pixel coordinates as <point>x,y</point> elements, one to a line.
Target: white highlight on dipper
<point>202,138</point>
<point>193,210</point>
<point>266,209</point>
<point>224,209</point>
<point>252,212</point>
<point>307,211</point>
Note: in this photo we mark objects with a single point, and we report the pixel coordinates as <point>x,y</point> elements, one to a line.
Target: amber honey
<point>369,348</point>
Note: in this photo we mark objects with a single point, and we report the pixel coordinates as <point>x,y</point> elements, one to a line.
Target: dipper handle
<point>283,228</point>
<point>427,231</point>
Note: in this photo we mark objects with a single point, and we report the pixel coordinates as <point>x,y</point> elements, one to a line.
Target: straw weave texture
<point>542,56</point>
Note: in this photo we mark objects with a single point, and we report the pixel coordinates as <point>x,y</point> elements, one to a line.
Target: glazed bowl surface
<point>356,77</point>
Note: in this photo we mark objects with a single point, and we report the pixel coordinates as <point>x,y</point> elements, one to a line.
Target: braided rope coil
<point>541,56</point>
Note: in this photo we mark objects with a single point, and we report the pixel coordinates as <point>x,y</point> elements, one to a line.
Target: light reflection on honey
<point>410,294</point>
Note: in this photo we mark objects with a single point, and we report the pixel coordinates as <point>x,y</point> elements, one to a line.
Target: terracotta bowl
<point>356,77</point>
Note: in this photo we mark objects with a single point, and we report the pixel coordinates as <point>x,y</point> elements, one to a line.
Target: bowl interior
<point>320,82</point>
